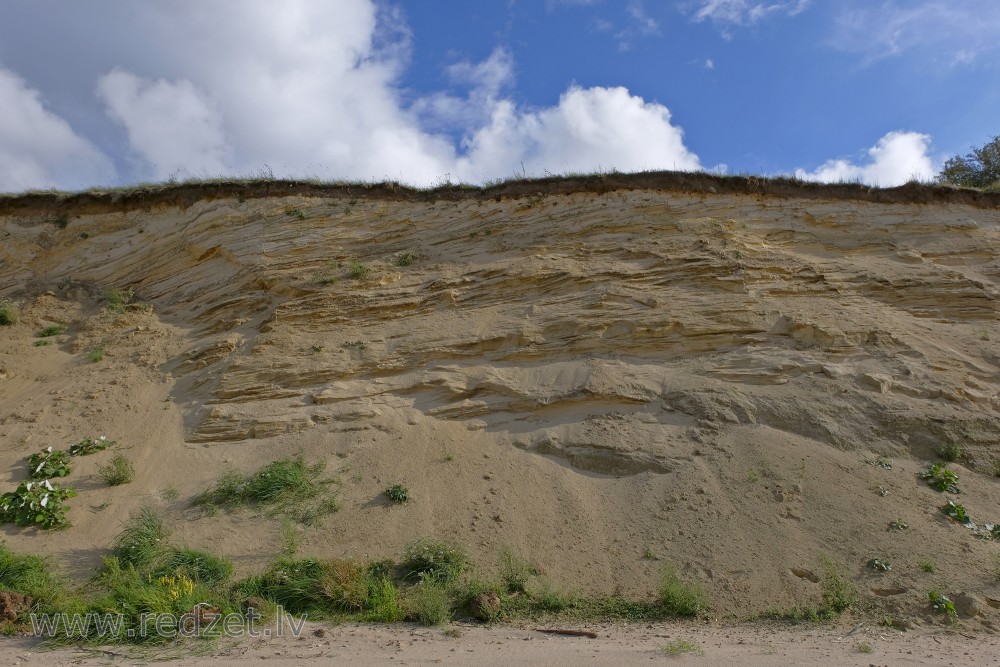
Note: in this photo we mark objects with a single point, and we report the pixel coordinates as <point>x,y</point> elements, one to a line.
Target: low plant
<point>197,566</point>
<point>41,343</point>
<point>405,259</point>
<point>96,354</point>
<point>898,524</point>
<point>433,560</point>
<point>428,603</point>
<point>940,478</point>
<point>515,572</point>
<point>354,345</point>
<point>358,271</point>
<point>880,565</point>
<point>950,452</point>
<point>51,330</point>
<point>839,594</point>
<point>398,494</point>
<point>89,446</point>
<point>956,512</point>
<point>864,647</point>
<point>678,597</point>
<point>682,646</point>
<point>116,299</point>
<point>286,484</point>
<point>8,312</point>
<point>30,575</point>
<point>142,540</point>
<point>47,464</point>
<point>927,566</point>
<point>36,503</point>
<point>943,605</point>
<point>117,471</point>
<point>296,213</point>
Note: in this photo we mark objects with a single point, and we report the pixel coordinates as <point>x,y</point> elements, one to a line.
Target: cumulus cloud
<point>316,90</point>
<point>171,125</point>
<point>39,149</point>
<point>898,157</point>
<point>590,129</point>
<point>744,12</point>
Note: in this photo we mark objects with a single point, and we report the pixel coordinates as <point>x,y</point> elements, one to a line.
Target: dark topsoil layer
<point>148,197</point>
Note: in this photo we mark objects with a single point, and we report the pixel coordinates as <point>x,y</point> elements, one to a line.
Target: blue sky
<point>433,91</point>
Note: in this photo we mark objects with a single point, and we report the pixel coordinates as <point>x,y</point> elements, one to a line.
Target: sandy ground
<point>757,645</point>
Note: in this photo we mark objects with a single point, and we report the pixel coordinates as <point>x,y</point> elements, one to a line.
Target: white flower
<point>48,486</point>
<point>40,466</point>
<point>28,485</point>
<point>49,449</point>
<point>45,500</point>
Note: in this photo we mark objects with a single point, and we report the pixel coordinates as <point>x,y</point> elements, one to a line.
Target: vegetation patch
<point>51,330</point>
<point>943,605</point>
<point>398,494</point>
<point>116,299</point>
<point>36,503</point>
<point>432,560</point>
<point>358,271</point>
<point>940,478</point>
<point>682,646</point>
<point>950,452</point>
<point>678,597</point>
<point>89,446</point>
<point>8,312</point>
<point>117,471</point>
<point>287,485</point>
<point>47,464</point>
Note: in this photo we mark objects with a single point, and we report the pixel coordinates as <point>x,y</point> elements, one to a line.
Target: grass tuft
<point>142,539</point>
<point>678,597</point>
<point>51,330</point>
<point>117,471</point>
<point>8,312</point>
<point>433,560</point>
<point>429,604</point>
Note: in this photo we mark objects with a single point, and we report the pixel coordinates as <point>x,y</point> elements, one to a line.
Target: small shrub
<point>36,503</point>
<point>29,575</point>
<point>678,597</point>
<point>839,594</point>
<point>956,512</point>
<point>682,646</point>
<point>96,354</point>
<point>943,605</point>
<point>8,312</point>
<point>950,452</point>
<point>324,277</point>
<point>116,299</point>
<point>41,343</point>
<point>940,478</point>
<point>47,464</point>
<point>383,601</point>
<point>142,540</point>
<point>358,271</point>
<point>879,565</point>
<point>433,560</point>
<point>405,259</point>
<point>354,345</point>
<point>51,330</point>
<point>928,566</point>
<point>296,213</point>
<point>428,604</point>
<point>89,446</point>
<point>864,647</point>
<point>117,471</point>
<point>898,524</point>
<point>398,494</point>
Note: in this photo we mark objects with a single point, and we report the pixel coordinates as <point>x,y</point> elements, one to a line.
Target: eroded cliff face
<point>586,377</point>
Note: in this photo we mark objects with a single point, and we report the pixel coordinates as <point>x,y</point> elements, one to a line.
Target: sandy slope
<point>588,378</point>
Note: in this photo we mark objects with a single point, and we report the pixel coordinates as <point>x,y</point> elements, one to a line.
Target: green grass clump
<point>358,271</point>
<point>51,330</point>
<point>405,259</point>
<point>433,560</point>
<point>96,354</point>
<point>678,597</point>
<point>199,566</point>
<point>927,566</point>
<point>29,575</point>
<point>41,343</point>
<point>116,299</point>
<point>950,452</point>
<point>117,471</point>
<point>515,572</point>
<point>428,604</point>
<point>142,540</point>
<point>8,312</point>
<point>839,594</point>
<point>286,484</point>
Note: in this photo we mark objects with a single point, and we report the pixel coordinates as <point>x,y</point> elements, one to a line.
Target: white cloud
<point>590,129</point>
<point>172,126</point>
<point>39,149</point>
<point>744,12</point>
<point>897,158</point>
<point>956,31</point>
